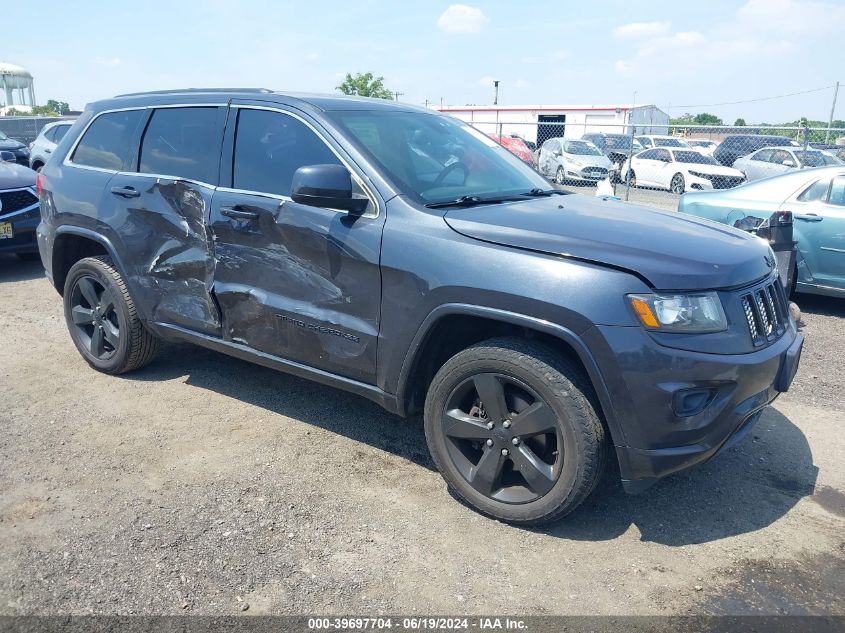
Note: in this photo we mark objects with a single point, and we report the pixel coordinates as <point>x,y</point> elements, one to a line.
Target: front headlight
<point>577,163</point>
<point>698,174</point>
<point>693,313</point>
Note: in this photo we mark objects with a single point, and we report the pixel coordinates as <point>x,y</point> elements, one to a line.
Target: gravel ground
<point>203,484</point>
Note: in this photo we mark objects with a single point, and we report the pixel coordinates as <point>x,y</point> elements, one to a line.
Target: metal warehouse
<point>539,123</point>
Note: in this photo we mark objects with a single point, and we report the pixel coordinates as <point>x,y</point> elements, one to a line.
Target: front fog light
<point>699,312</point>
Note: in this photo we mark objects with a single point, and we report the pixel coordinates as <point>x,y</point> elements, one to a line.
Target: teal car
<point>816,199</point>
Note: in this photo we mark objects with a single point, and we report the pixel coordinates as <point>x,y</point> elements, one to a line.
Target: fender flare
<point>101,239</point>
<point>532,323</point>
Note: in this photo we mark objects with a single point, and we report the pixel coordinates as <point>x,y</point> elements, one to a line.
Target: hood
<point>671,251</point>
<point>599,160</point>
<point>14,176</point>
<point>10,144</point>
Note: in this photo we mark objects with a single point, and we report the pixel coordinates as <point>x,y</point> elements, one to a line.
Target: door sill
<point>244,352</point>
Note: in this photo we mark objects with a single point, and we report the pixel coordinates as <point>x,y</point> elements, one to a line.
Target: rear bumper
<point>648,382</point>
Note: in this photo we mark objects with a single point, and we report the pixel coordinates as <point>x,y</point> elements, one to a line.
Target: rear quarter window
<point>107,143</point>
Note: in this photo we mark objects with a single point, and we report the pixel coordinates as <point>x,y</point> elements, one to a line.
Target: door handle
<point>125,192</point>
<point>48,151</point>
<point>238,213</point>
<point>808,217</point>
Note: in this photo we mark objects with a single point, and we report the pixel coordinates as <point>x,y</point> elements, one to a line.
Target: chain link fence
<point>654,164</point>
<point>26,128</point>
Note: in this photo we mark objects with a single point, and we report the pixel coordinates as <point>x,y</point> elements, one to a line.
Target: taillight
<point>40,181</point>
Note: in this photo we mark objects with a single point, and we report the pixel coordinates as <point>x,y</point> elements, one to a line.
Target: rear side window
<point>837,192</point>
<point>107,143</point>
<point>50,134</point>
<point>270,147</point>
<point>59,132</point>
<point>182,142</point>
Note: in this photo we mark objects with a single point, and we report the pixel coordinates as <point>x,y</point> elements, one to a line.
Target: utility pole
<point>832,108</point>
<point>397,95</point>
<point>496,92</point>
<point>627,176</point>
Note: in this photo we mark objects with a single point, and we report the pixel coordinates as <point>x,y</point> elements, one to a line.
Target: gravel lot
<point>203,484</point>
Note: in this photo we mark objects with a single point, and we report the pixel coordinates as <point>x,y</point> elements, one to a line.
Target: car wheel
<point>631,178</point>
<point>560,176</point>
<point>677,185</point>
<point>37,166</point>
<point>514,430</point>
<point>102,319</point>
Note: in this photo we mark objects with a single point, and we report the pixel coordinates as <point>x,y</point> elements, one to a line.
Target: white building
<point>539,123</point>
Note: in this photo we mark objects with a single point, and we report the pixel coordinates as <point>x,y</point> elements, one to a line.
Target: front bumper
<point>591,173</point>
<point>647,381</point>
<point>697,183</point>
<point>24,223</point>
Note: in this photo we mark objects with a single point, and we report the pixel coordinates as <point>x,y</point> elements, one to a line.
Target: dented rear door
<point>162,206</point>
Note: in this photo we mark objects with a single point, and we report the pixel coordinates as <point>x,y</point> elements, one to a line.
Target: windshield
<point>811,159</point>
<point>829,159</point>
<point>687,156</point>
<point>434,158</point>
<point>3,137</point>
<point>582,148</point>
<point>700,143</point>
<point>669,142</point>
<point>618,141</point>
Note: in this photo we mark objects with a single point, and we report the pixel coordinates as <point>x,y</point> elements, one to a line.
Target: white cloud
<point>642,29</point>
<point>486,81</point>
<point>462,18</point>
<point>312,57</point>
<point>109,62</point>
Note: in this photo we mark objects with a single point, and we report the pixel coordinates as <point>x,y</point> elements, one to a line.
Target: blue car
<point>816,198</point>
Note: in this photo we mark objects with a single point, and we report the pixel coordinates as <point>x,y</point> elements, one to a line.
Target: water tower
<point>16,86</point>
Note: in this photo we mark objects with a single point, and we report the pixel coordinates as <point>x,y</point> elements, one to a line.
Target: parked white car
<point>702,145</point>
<point>773,161</point>
<point>45,143</point>
<point>651,140</point>
<point>572,159</point>
<point>679,170</point>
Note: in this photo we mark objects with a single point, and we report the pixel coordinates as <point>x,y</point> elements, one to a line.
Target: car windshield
<point>830,159</point>
<point>434,158</point>
<point>669,142</point>
<point>700,143</point>
<point>811,159</point>
<point>581,148</point>
<point>687,156</point>
<point>619,141</point>
<point>3,137</point>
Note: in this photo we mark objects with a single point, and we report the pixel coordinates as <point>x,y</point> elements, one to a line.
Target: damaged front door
<point>164,204</point>
<point>295,281</point>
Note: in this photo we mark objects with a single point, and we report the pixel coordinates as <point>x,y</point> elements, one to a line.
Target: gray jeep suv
<point>406,257</point>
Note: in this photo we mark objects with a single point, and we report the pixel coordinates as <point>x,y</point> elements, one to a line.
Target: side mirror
<point>327,186</point>
<point>7,157</point>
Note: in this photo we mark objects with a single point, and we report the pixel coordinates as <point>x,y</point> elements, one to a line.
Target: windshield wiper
<point>536,192</point>
<point>471,201</point>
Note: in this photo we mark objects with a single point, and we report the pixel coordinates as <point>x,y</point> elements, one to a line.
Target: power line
<point>791,94</point>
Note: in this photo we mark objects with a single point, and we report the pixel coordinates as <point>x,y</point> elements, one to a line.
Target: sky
<point>682,56</point>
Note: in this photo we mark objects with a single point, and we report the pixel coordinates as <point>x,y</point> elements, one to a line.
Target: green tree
<point>365,85</point>
<point>705,118</point>
<point>740,122</point>
<point>58,106</point>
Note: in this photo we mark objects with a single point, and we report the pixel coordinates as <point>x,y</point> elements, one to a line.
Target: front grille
<point>726,182</point>
<point>766,313</point>
<point>15,200</point>
<point>594,172</point>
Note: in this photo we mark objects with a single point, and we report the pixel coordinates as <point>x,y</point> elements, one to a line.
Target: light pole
<point>496,92</point>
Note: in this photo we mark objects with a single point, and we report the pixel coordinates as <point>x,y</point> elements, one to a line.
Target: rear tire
<point>102,319</point>
<point>631,178</point>
<point>529,450</point>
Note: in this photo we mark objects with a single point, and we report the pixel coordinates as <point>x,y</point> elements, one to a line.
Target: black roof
<point>323,102</point>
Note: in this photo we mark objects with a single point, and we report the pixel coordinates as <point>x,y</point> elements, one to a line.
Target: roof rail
<point>195,90</point>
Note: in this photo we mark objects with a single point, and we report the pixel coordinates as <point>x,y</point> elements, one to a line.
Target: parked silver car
<point>570,159</point>
<point>773,161</point>
<point>45,143</point>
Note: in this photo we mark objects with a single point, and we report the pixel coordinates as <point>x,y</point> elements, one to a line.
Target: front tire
<point>102,319</point>
<point>513,429</point>
<point>631,178</point>
<point>677,186</point>
<point>560,176</point>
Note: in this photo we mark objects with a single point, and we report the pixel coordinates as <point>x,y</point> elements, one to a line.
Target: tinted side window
<point>270,147</point>
<point>107,143</point>
<point>837,192</point>
<point>815,192</point>
<point>50,134</point>
<point>763,155</point>
<point>182,142</point>
<point>663,154</point>
<point>649,154</point>
<point>59,132</point>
